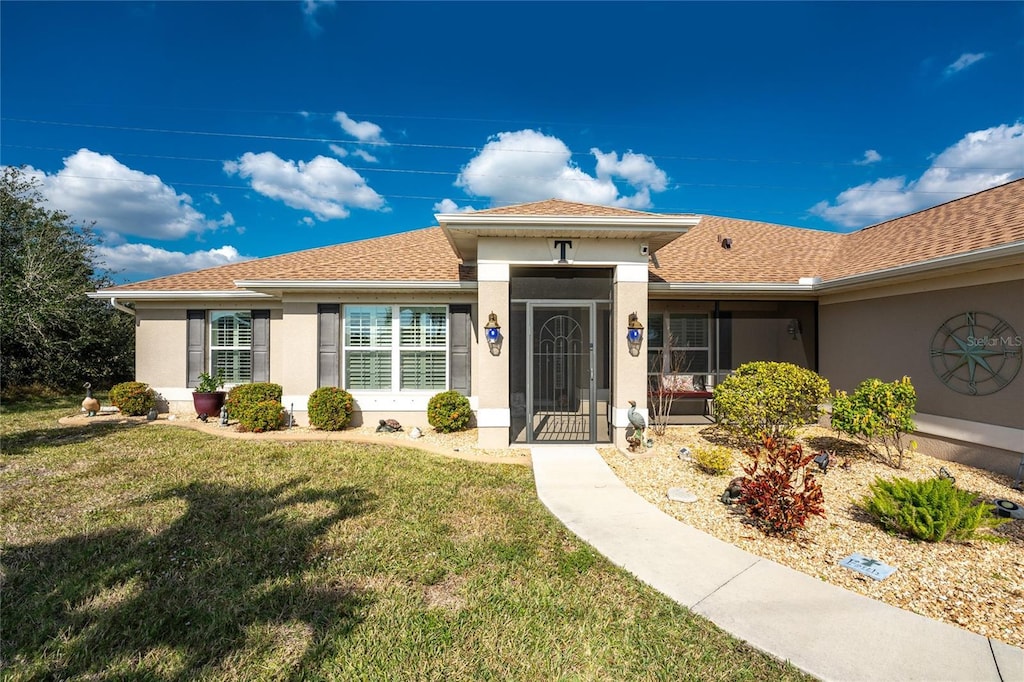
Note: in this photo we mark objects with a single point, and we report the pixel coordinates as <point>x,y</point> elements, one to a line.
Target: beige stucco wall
<point>293,345</point>
<point>491,371</point>
<point>160,346</point>
<point>629,373</point>
<point>889,337</point>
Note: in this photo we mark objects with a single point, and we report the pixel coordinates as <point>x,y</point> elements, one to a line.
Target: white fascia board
<point>471,220</point>
<point>360,285</point>
<point>175,295</point>
<point>732,287</point>
<point>969,258</point>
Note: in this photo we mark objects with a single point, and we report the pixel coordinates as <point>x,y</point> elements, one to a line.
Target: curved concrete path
<point>827,631</point>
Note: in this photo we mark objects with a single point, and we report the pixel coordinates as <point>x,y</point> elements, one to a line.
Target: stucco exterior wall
<point>160,346</point>
<point>629,373</point>
<point>889,337</point>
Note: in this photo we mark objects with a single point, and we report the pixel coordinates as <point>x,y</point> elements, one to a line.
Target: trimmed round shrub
<point>330,408</point>
<point>878,414</point>
<point>133,398</point>
<point>248,404</point>
<point>449,411</point>
<point>266,415</point>
<point>769,399</point>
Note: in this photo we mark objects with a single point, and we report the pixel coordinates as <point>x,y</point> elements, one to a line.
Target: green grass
<point>156,552</point>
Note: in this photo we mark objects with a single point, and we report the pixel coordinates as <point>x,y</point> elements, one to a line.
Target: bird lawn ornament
<point>636,420</point>
<point>91,406</point>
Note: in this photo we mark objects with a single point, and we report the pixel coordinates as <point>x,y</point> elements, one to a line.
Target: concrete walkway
<point>827,631</point>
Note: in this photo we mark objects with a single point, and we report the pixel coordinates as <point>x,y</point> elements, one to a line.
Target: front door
<point>561,397</point>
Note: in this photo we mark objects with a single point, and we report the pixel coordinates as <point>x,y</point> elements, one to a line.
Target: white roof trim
<point>653,220</point>
<point>154,295</point>
<point>335,284</point>
<point>732,287</point>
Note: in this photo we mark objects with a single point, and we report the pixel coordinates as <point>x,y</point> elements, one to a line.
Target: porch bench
<point>683,387</point>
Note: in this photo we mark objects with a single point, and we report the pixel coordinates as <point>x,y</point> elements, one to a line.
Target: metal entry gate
<point>560,388</point>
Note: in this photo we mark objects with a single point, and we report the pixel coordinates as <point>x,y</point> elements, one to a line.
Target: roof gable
<point>558,207</point>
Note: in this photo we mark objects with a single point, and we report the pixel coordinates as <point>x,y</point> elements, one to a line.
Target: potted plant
<point>208,397</point>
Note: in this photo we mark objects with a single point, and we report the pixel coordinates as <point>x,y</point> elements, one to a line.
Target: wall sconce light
<point>634,335</point>
<point>794,328</point>
<point>492,332</point>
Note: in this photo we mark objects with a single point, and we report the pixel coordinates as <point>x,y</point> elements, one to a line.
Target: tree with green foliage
<point>51,334</point>
<point>880,415</point>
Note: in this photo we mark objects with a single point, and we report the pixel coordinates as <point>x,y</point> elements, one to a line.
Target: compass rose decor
<point>976,353</point>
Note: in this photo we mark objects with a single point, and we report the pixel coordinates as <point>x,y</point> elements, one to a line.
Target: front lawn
<point>160,552</point>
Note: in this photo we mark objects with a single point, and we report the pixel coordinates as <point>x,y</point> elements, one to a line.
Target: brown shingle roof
<point>761,252</point>
<point>557,207</point>
<point>989,218</point>
<point>419,255</point>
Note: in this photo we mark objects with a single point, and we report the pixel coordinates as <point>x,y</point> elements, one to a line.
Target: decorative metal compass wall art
<point>976,353</point>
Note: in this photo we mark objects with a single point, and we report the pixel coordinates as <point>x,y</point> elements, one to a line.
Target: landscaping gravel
<point>977,585</point>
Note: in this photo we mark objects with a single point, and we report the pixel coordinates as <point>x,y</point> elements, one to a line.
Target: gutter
<point>120,306</point>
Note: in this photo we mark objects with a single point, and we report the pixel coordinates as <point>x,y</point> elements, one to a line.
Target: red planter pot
<point>210,403</point>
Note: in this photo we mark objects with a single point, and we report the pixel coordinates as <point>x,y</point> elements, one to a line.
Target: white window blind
<point>231,345</point>
<point>380,356</point>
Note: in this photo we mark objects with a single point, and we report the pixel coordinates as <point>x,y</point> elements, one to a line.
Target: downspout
<point>120,306</point>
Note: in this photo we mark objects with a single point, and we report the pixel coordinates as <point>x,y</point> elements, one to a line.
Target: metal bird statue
<point>636,420</point>
<point>90,405</point>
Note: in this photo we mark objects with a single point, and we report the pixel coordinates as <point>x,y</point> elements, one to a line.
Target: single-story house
<point>552,316</point>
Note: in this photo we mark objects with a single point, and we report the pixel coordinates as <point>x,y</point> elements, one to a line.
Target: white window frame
<point>235,348</point>
<point>395,347</point>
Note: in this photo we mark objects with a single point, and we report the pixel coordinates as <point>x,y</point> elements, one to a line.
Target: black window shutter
<point>329,338</point>
<point>460,341</point>
<point>260,345</point>
<point>196,342</point>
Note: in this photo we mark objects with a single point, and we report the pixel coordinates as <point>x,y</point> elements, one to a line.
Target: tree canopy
<point>51,334</point>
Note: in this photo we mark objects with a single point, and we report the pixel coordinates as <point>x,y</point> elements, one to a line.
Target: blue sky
<point>198,134</point>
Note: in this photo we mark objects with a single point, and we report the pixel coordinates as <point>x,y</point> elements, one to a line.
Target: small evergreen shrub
<point>769,399</point>
<point>713,459</point>
<point>933,510</point>
<point>329,408</point>
<point>266,415</point>
<point>246,403</point>
<point>449,411</point>
<point>779,491</point>
<point>133,398</point>
<point>879,415</point>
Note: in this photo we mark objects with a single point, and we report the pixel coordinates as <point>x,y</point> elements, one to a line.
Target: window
<point>231,345</point>
<point>677,343</point>
<point>380,356</point>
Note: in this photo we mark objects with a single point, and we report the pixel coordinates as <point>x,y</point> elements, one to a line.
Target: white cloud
<point>323,186</point>
<point>309,12</point>
<point>527,165</point>
<point>980,160</point>
<point>97,187</point>
<point>965,60</point>
<point>365,156</point>
<point>364,131</point>
<point>154,262</point>
<point>448,206</point>
<point>338,150</point>
<point>870,156</point>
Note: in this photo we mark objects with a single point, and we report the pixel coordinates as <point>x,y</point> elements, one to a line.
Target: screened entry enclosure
<point>560,371</point>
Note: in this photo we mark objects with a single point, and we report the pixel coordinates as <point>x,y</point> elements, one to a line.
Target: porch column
<point>492,385</point>
<point>629,374</point>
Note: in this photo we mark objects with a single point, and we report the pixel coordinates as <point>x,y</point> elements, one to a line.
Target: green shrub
<point>769,399</point>
<point>878,414</point>
<point>248,403</point>
<point>329,408</point>
<point>933,510</point>
<point>266,415</point>
<point>714,459</point>
<point>133,398</point>
<point>779,492</point>
<point>449,411</point>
